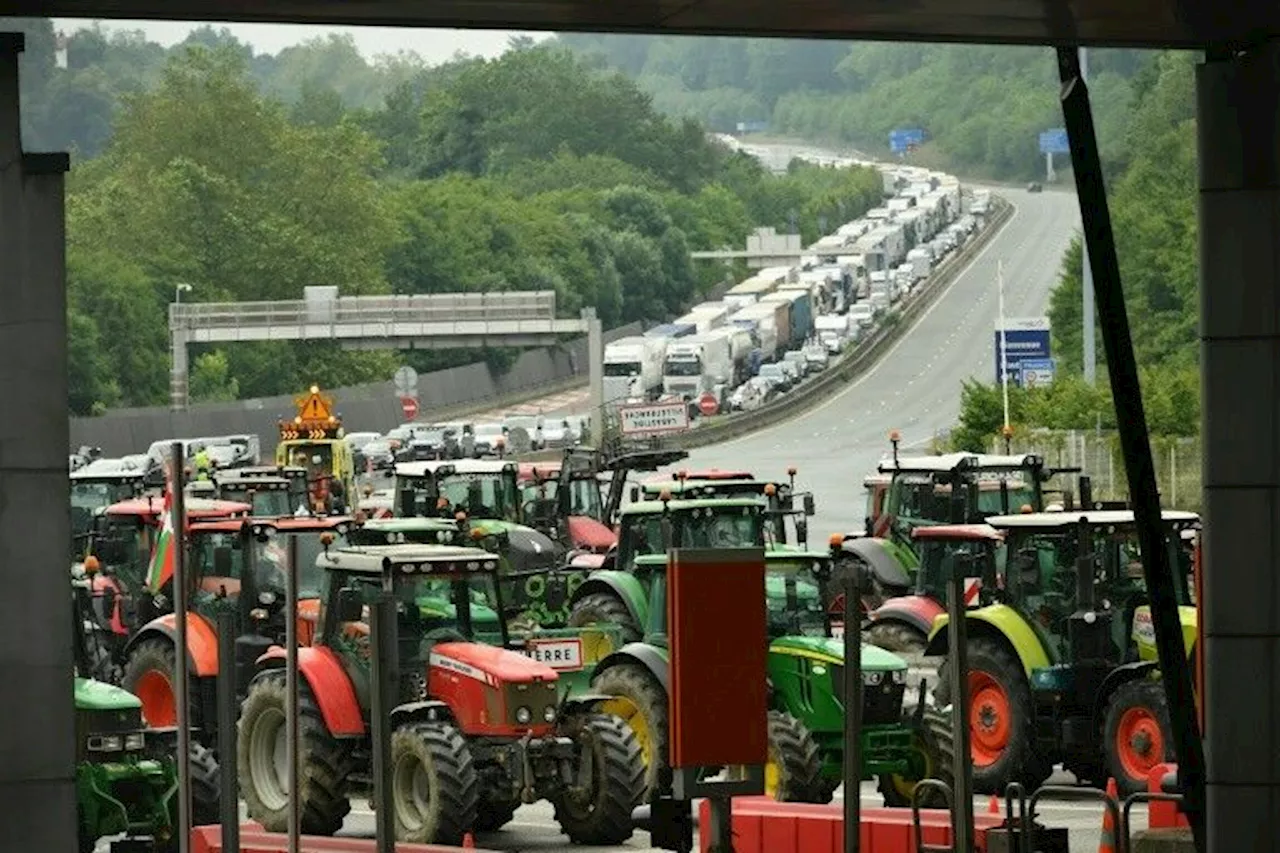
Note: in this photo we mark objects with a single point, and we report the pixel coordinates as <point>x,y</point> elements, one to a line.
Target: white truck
<point>706,317</point>
<point>697,364</point>
<point>633,368</point>
<point>921,261</point>
<point>761,320</point>
<point>832,331</point>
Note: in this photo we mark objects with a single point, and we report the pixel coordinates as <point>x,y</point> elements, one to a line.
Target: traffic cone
<point>993,805</point>
<point>1107,841</point>
<point>468,842</point>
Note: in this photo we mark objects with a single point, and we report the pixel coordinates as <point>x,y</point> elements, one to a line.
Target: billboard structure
<point>1028,340</point>
<point>1053,141</point>
<point>906,139</point>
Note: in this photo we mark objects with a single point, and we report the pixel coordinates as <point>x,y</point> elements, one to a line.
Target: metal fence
<point>1177,462</point>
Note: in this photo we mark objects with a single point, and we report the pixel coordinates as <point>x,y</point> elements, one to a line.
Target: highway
<point>915,387</point>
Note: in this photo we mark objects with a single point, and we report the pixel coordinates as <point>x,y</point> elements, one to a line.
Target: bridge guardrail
<point>857,361</point>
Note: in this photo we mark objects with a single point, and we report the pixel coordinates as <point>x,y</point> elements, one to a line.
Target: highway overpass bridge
<point>1238,87</point>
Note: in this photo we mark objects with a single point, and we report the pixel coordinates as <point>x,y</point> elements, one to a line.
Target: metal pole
<point>178,518</point>
<point>1135,440</point>
<point>382,635</point>
<point>961,761</point>
<point>1090,353</point>
<point>852,692</point>
<point>291,693</point>
<point>229,794</point>
<point>1004,342</point>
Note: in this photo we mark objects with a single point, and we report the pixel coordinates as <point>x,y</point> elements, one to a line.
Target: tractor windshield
<point>481,495</point>
<point>434,609</point>
<point>793,599</point>
<point>715,527</point>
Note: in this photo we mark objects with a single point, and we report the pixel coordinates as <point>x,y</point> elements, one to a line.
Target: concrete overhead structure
<point>1238,89</point>
<point>37,728</point>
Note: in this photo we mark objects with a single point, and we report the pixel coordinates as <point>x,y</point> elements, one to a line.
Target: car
<point>1034,187</point>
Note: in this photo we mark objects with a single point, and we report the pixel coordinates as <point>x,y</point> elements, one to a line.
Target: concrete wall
<point>363,407</point>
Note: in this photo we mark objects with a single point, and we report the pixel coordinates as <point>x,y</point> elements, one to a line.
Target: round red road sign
<point>708,404</point>
<point>410,407</point>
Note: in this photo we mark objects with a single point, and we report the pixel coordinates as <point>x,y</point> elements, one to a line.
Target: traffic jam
<point>517,596</point>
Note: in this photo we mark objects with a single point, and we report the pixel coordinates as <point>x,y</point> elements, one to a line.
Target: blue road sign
<point>1054,141</point>
<point>1036,372</point>
<point>902,139</point>
<point>1028,341</point>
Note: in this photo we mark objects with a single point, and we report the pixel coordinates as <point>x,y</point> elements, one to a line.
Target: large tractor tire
<point>793,773</point>
<point>1137,734</point>
<point>434,787</point>
<point>641,703</point>
<point>324,764</point>
<point>602,608</point>
<point>897,637</point>
<point>149,674</point>
<point>935,749</point>
<point>206,792</point>
<point>1002,743</point>
<point>601,815</point>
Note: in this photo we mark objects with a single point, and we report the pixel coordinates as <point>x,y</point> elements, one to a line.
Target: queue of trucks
<point>844,285</point>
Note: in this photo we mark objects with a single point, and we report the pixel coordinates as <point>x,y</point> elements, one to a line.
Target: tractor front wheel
<point>206,791</point>
<point>793,773</point>
<point>600,813</point>
<point>323,765</point>
<point>1137,733</point>
<point>641,703</point>
<point>434,787</point>
<point>933,748</point>
<point>1002,740</point>
<point>897,637</point>
<point>602,608</point>
<point>149,674</point>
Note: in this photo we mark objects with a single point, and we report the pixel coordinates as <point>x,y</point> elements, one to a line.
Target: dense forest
<point>250,177</point>
<point>982,107</point>
<point>1153,211</point>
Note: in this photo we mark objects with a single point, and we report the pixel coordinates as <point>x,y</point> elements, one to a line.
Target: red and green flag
<point>161,568</point>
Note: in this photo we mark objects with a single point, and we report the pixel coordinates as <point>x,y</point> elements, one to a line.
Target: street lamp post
<point>178,290</point>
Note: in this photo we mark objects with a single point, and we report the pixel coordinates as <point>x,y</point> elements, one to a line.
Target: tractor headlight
<point>266,598</point>
<point>523,715</point>
<point>135,742</point>
<point>872,678</point>
<point>105,743</point>
<point>899,676</point>
<point>549,714</point>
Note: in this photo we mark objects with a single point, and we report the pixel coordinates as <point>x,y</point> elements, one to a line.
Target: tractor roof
<point>257,481</point>
<point>958,462</point>
<point>124,468</point>
<point>408,559</point>
<point>412,523</point>
<point>872,480</point>
<point>152,508</point>
<point>710,488</point>
<point>1108,517</point>
<point>283,524</point>
<point>958,532</point>
<point>445,467</point>
<point>654,507</point>
<point>540,470</point>
<point>252,471</point>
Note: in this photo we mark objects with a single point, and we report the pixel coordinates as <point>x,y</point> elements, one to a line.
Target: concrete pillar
<point>1239,141</point>
<point>37,724</point>
<point>595,369</point>
<point>179,369</point>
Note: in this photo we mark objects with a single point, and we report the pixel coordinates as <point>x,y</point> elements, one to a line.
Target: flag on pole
<point>161,568</point>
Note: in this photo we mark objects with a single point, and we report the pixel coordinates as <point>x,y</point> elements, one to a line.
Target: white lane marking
<point>875,368</point>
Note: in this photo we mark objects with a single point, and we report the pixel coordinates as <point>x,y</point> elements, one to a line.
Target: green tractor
<point>805,663</point>
<point>1061,664</point>
<point>483,494</point>
<point>126,775</point>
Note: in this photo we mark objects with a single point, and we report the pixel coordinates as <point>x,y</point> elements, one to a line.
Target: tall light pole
<point>178,290</point>
<point>1090,353</point>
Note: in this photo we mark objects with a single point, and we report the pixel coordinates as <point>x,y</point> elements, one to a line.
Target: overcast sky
<point>433,45</point>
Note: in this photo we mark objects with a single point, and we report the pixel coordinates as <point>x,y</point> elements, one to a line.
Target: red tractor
<point>238,565</point>
<point>478,728</point>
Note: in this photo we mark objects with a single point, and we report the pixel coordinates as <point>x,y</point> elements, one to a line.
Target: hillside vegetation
<point>983,107</point>
<point>1153,210</point>
<point>249,177</point>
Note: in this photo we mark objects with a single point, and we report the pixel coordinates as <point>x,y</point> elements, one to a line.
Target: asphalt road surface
<point>915,387</point>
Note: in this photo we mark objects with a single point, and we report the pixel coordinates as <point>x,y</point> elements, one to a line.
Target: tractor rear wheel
<point>1002,742</point>
<point>641,703</point>
<point>897,637</point>
<point>601,814</point>
<point>324,764</point>
<point>205,789</point>
<point>149,674</point>
<point>793,773</point>
<point>608,609</point>
<point>434,787</point>
<point>934,747</point>
<point>1137,733</point>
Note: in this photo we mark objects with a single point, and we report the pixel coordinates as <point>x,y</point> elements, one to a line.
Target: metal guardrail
<point>857,362</point>
<point>443,308</point>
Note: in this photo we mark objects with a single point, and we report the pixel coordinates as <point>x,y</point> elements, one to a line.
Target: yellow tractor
<point>313,440</point>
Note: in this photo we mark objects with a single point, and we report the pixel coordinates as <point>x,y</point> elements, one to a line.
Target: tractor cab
<point>272,492</point>
<point>314,441</point>
<point>564,499</point>
<point>482,488</point>
<point>1056,672</point>
<point>405,531</point>
<point>98,485</point>
<point>779,498</point>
